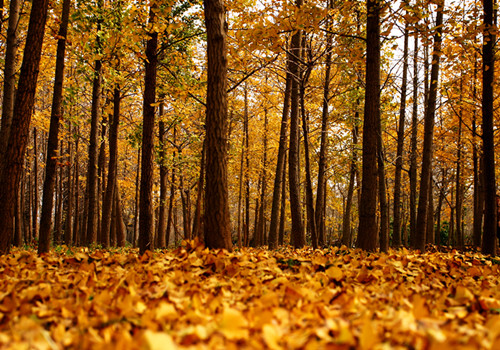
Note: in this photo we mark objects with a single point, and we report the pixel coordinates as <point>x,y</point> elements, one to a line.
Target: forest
<point>249,174</point>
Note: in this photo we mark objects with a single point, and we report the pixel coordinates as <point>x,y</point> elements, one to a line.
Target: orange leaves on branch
<point>290,299</point>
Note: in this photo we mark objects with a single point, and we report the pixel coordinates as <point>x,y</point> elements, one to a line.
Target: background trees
<point>296,77</point>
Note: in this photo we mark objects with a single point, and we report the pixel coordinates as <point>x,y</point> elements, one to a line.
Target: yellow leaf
<point>335,273</point>
<point>233,324</point>
<point>272,334</point>
<point>158,341</point>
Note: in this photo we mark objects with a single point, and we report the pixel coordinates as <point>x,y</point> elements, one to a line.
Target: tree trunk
<point>274,233</point>
<point>430,216</point>
<point>311,217</point>
<point>458,178</point>
<point>261,223</point>
<point>346,220</point>
<point>281,230</point>
<point>490,213</point>
<point>107,205</point>
<point>413,148</point>
<point>384,206</point>
<point>162,216</point>
<point>146,215</point>
<point>197,222</point>
<point>320,203</point>
<point>477,177</point>
<point>217,224</point>
<point>52,144</point>
<point>23,107</point>
<point>121,229</point>
<point>430,110</point>
<point>367,231</point>
<point>297,234</point>
<point>246,225</point>
<point>92,190</point>
<point>9,83</point>
<point>396,232</point>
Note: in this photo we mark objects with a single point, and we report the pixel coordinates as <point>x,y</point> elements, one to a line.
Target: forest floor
<point>191,297</point>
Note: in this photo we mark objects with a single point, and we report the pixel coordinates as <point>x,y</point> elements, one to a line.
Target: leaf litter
<point>194,298</point>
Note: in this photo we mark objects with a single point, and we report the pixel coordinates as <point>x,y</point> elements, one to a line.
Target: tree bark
<point>413,148</point>
<point>52,144</point>
<point>396,232</point>
<point>107,205</point>
<point>217,224</point>
<point>367,231</point>
<point>23,107</point>
<point>274,237</point>
<point>9,83</point>
<point>297,234</point>
<point>489,245</point>
<point>162,216</point>
<point>346,220</point>
<point>430,110</point>
<point>146,215</point>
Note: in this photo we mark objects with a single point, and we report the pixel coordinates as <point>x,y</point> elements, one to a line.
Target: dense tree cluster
<point>248,123</point>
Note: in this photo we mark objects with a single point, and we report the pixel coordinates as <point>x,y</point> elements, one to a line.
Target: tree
<point>146,214</point>
<point>490,214</point>
<point>10,174</point>
<point>217,224</point>
<point>52,143</point>
<point>367,231</point>
<point>430,110</point>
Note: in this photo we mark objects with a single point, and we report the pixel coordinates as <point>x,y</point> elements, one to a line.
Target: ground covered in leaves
<point>195,298</point>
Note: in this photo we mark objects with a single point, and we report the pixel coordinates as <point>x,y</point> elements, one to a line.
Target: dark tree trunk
<point>23,107</point>
<point>146,215</point>
<point>297,234</point>
<point>52,144</point>
<point>430,216</point>
<point>92,190</point>
<point>413,148</point>
<point>281,230</point>
<point>121,229</point>
<point>246,225</point>
<point>320,203</point>
<point>367,232</point>
<point>346,219</point>
<point>217,224</point>
<point>107,205</point>
<point>477,177</point>
<point>490,213</point>
<point>162,216</point>
<point>274,237</point>
<point>384,206</point>
<point>458,178</point>
<point>311,217</point>
<point>261,223</point>
<point>430,110</point>
<point>396,232</point>
<point>9,83</point>
<point>199,197</point>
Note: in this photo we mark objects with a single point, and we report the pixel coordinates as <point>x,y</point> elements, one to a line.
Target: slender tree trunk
<point>396,232</point>
<point>430,111</point>
<point>52,144</point>
<point>101,176</point>
<point>137,190</point>
<point>477,177</point>
<point>458,177</point>
<point>107,205</point>
<point>77,234</point>
<point>162,216</point>
<point>146,215</point>
<point>346,220</point>
<point>261,224</point>
<point>489,245</point>
<point>281,230</point>
<point>297,233</point>
<point>384,205</point>
<point>199,197</point>
<point>217,224</point>
<point>246,226</point>
<point>274,237</point>
<point>413,149</point>
<point>430,216</point>
<point>240,192</point>
<point>10,173</point>
<point>68,230</point>
<point>92,188</point>
<point>9,83</point>
<point>367,232</point>
<point>311,217</point>
<point>121,229</point>
<point>35,183</point>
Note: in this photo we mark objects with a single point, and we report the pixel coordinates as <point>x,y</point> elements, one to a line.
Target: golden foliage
<point>195,298</point>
